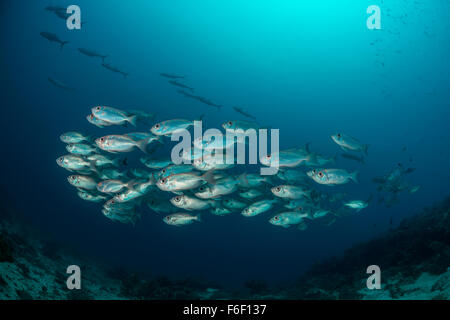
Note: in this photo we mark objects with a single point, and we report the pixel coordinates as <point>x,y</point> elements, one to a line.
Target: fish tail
<point>365,147</point>
<point>198,218</point>
<point>133,119</point>
<point>142,144</point>
<point>354,176</point>
<point>209,177</point>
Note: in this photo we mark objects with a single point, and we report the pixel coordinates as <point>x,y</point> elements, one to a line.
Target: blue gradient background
<point>306,67</point>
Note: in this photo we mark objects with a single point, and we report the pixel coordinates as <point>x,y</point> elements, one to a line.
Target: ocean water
<point>308,68</point>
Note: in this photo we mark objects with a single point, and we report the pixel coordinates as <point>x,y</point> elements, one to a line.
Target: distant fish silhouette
<point>59,84</point>
<point>114,69</point>
<point>92,54</point>
<point>243,112</point>
<point>53,38</point>
<point>171,76</point>
<point>178,84</point>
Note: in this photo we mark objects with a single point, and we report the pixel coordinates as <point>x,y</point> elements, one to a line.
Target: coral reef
<point>414,259</point>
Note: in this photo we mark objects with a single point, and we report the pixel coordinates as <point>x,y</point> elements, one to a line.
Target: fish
<point>75,163</point>
<point>53,38</point>
<point>171,76</point>
<point>127,196</point>
<point>114,186</point>
<point>187,94</point>
<point>220,188</point>
<point>120,143</point>
<point>290,192</point>
<point>161,206</point>
<point>155,163</point>
<point>352,157</point>
<point>252,180</point>
<point>289,158</point>
<point>82,182</point>
<point>207,102</point>
<point>110,173</point>
<point>333,177</point>
<point>173,169</point>
<point>114,69</point>
<point>92,54</point>
<point>74,137</point>
<point>59,84</point>
<point>287,219</point>
<point>251,194</point>
<point>80,148</point>
<point>184,181</point>
<point>244,113</point>
<point>90,197</point>
<point>100,160</point>
<point>258,207</point>
<point>292,175</point>
<point>97,122</point>
<point>169,127</point>
<point>233,204</point>
<point>349,143</point>
<point>191,203</point>
<point>358,205</point>
<point>414,189</point>
<point>113,115</point>
<point>55,8</point>
<point>140,173</point>
<point>209,162</point>
<point>181,219</point>
<point>220,211</point>
<point>179,84</point>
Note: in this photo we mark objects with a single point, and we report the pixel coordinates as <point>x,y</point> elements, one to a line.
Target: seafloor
<point>414,259</point>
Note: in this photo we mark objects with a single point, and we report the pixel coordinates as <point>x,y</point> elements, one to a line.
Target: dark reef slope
<point>414,260</point>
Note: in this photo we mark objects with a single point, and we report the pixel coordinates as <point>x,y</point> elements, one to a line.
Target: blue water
<point>309,68</point>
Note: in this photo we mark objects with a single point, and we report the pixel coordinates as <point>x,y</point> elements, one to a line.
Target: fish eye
<point>300,208</point>
<point>202,189</point>
<point>276,218</point>
<point>278,189</point>
<point>156,126</point>
<point>268,156</point>
<point>98,108</point>
<point>320,174</point>
<point>177,199</point>
<point>338,135</point>
<point>102,139</point>
<point>163,171</point>
<point>163,181</point>
<point>230,123</point>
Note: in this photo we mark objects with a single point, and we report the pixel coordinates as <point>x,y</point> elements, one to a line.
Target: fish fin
<point>142,144</point>
<point>133,119</point>
<point>307,147</point>
<point>365,147</point>
<point>312,158</point>
<point>209,177</point>
<point>198,218</point>
<point>354,176</point>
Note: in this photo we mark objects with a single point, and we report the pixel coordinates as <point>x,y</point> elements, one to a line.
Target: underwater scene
<point>225,150</point>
